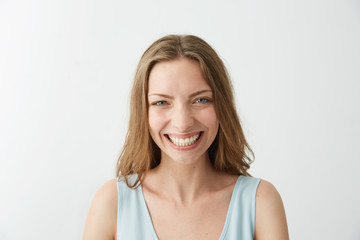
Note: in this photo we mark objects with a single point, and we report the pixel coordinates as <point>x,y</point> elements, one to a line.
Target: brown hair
<point>229,151</point>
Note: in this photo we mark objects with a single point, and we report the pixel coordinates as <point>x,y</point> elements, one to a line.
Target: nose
<point>182,118</point>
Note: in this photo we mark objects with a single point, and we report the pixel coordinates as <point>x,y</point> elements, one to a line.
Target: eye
<point>159,103</point>
<point>202,100</point>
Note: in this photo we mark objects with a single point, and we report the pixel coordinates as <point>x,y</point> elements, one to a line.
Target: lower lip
<point>185,148</point>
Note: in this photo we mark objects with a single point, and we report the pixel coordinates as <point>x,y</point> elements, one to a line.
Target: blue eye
<point>202,100</point>
<point>159,103</point>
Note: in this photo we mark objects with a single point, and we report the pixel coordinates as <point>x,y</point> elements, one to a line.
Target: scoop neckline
<point>228,214</point>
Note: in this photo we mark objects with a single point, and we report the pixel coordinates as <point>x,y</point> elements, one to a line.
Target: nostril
<point>182,120</point>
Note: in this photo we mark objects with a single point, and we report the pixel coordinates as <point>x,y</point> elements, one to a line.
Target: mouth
<point>184,141</point>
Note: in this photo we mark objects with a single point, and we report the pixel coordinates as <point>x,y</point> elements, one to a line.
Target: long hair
<point>229,152</point>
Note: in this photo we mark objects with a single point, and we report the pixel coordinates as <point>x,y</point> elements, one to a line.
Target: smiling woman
<point>182,126</point>
<point>182,173</point>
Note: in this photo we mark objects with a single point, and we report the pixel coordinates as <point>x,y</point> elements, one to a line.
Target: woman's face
<point>182,117</point>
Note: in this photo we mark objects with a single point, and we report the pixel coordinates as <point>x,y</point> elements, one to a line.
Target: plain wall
<point>65,74</point>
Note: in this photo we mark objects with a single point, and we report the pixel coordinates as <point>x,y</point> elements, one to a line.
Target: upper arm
<point>102,216</point>
<point>270,219</point>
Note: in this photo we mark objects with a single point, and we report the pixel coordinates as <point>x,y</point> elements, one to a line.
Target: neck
<point>183,183</point>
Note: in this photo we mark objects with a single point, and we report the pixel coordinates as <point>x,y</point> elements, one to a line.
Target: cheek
<point>155,120</point>
<point>210,119</point>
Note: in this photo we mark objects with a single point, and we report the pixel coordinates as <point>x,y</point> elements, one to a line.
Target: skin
<point>186,197</point>
<point>181,105</point>
<point>102,216</point>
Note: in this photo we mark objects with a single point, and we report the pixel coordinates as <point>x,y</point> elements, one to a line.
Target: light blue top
<point>134,222</point>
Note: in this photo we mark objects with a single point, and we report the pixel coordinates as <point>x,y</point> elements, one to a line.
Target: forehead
<point>176,77</point>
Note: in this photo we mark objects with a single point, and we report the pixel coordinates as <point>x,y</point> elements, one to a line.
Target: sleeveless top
<point>134,221</point>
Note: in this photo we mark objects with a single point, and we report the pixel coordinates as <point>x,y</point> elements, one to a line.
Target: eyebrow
<point>199,92</point>
<point>170,97</point>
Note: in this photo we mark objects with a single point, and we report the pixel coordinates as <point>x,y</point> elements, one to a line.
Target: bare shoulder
<point>101,220</point>
<point>270,218</point>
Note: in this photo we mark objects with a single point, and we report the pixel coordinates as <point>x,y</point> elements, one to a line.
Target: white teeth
<point>184,142</point>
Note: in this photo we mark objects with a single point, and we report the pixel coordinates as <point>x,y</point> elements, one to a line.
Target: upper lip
<point>183,135</point>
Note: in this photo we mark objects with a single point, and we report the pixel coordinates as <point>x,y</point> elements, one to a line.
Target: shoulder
<point>101,220</point>
<point>107,191</point>
<point>106,197</point>
<point>270,219</point>
<point>267,190</point>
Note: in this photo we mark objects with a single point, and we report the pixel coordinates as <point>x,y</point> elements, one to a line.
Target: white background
<point>65,73</point>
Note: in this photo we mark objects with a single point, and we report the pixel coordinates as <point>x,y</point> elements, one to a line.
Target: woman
<point>182,173</point>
